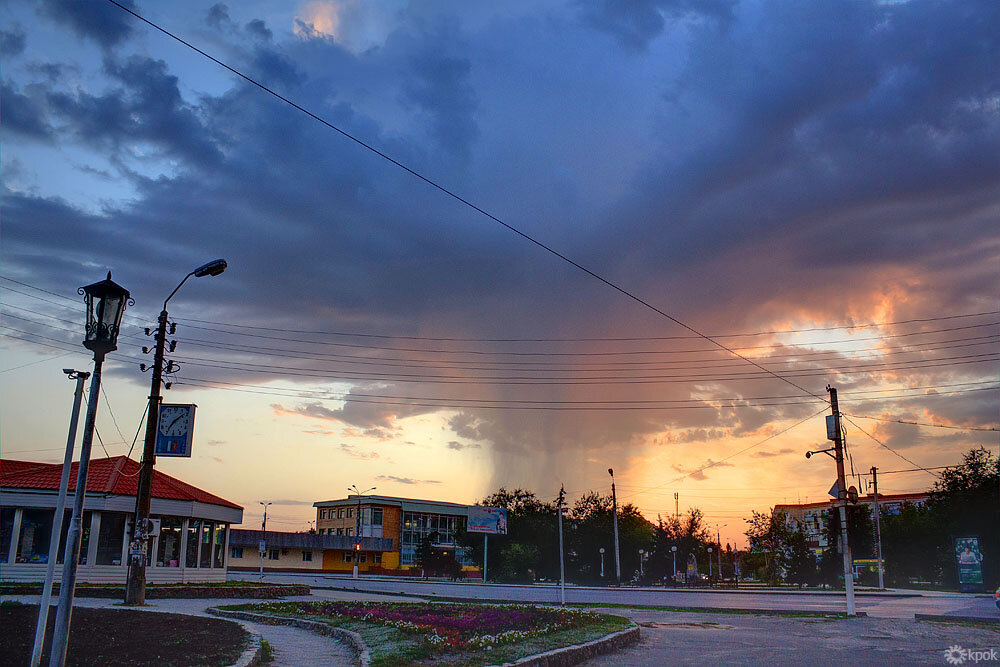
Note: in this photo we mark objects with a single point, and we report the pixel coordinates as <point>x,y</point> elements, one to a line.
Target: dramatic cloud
<point>746,167</point>
<point>406,480</point>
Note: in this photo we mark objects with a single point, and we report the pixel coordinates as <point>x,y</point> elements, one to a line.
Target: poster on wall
<point>487,520</point>
<point>970,564</point>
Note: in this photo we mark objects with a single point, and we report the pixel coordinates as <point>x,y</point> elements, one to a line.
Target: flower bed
<point>456,625</point>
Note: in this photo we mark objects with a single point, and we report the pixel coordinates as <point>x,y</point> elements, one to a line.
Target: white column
<point>182,560</point>
<point>15,537</point>
<point>95,529</point>
<point>225,553</point>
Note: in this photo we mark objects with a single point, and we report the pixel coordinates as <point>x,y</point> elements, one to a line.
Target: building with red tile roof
<point>191,526</point>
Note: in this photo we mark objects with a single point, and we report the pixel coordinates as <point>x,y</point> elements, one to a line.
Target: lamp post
<point>602,561</point>
<point>357,526</point>
<point>614,512</point>
<point>718,543</point>
<point>106,302</point>
<point>263,538</point>
<point>135,591</point>
<point>50,567</point>
<point>673,551</point>
<point>641,552</point>
<point>710,566</point>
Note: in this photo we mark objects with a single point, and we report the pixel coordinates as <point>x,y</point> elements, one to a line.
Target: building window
<point>377,558</point>
<point>194,529</point>
<point>220,544</point>
<point>111,539</point>
<point>377,516</point>
<point>350,531</point>
<point>340,531</point>
<point>348,557</point>
<point>168,553</point>
<point>322,514</point>
<point>273,554</point>
<point>307,556</point>
<point>36,531</point>
<point>207,533</point>
<point>6,528</point>
<point>340,513</point>
<point>236,552</point>
<point>362,558</point>
<point>350,512</point>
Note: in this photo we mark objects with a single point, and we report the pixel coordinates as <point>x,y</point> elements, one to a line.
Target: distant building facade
<point>811,518</point>
<point>391,530</point>
<point>191,544</point>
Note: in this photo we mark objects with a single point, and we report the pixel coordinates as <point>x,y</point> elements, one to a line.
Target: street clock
<point>175,429</point>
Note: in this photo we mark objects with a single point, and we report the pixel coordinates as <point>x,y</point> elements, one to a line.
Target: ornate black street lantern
<point>106,301</point>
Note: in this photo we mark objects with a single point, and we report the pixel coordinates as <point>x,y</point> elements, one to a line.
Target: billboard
<point>488,520</point>
<point>970,564</point>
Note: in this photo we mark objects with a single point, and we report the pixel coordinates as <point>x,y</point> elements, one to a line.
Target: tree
<point>860,536</point>
<point>785,550</point>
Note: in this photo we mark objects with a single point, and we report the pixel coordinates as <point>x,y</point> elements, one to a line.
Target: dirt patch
<point>125,637</point>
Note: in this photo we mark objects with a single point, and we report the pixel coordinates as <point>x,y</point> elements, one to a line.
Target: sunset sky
<point>813,185</point>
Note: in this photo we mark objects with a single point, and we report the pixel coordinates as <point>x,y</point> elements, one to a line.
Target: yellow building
<point>391,529</point>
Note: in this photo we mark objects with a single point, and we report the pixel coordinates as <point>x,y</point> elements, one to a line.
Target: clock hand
<point>175,421</point>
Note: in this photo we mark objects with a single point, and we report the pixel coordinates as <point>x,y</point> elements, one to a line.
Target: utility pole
<point>562,565</point>
<point>677,505</point>
<point>263,539</point>
<point>838,443</point>
<point>57,520</point>
<point>614,512</point>
<point>135,591</point>
<point>357,527</point>
<point>878,531</point>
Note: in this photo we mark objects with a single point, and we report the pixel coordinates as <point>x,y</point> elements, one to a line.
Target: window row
<point>203,547</point>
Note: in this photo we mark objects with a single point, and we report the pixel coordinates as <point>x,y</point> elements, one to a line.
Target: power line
<point>468,203</point>
<point>903,421</point>
<point>583,339</point>
<point>885,446</point>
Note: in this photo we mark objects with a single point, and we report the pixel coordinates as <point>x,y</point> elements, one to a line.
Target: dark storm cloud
<point>12,41</point>
<point>793,161</point>
<point>635,23</point>
<point>217,16</point>
<point>147,107</point>
<point>100,21</point>
<point>24,114</point>
<point>458,446</point>
<point>259,29</point>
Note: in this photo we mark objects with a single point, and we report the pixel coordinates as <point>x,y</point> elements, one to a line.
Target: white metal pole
<point>562,568</point>
<point>71,554</point>
<point>614,511</point>
<point>57,520</point>
<point>878,532</point>
<point>486,553</point>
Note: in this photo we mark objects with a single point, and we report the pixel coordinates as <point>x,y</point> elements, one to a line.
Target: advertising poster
<point>488,520</point>
<point>970,564</point>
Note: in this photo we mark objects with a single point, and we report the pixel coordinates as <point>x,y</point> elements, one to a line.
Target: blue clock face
<point>175,420</point>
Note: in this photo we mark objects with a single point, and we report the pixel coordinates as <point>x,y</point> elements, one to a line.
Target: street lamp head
<point>213,268</point>
<point>611,472</point>
<point>106,301</point>
<point>674,549</point>
<point>641,552</point>
<point>601,550</point>
<point>710,550</point>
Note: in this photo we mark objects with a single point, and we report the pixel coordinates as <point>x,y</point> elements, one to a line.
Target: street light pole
<point>641,552</point>
<point>614,512</point>
<point>106,302</point>
<point>263,538</point>
<point>602,561</point>
<point>878,530</point>
<point>357,526</point>
<point>710,566</point>
<point>57,520</point>
<point>135,591</point>
<point>673,551</point>
<point>562,565</point>
<point>838,443</point>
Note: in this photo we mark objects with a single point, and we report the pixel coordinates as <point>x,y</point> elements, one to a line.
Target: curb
<point>577,653</point>
<point>959,619</point>
<point>350,638</point>
<point>253,655</point>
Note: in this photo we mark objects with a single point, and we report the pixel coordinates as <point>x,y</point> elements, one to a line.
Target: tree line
<point>917,541</point>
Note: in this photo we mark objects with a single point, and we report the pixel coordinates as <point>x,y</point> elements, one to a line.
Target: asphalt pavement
<point>893,604</point>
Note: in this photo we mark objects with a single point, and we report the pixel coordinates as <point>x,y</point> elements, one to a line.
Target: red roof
<point>118,475</point>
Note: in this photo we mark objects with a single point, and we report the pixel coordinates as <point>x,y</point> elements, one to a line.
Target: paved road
<point>887,605</point>
<point>696,638</point>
